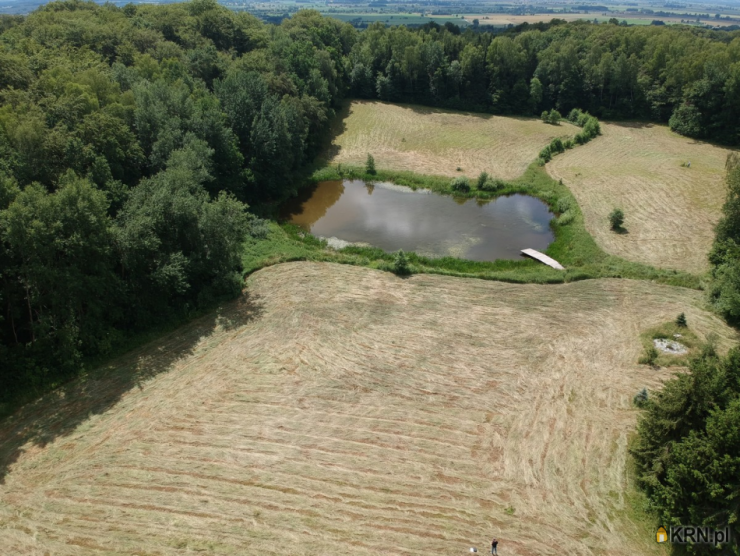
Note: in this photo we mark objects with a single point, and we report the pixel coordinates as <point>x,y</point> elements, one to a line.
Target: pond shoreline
<point>573,246</point>
<point>393,217</point>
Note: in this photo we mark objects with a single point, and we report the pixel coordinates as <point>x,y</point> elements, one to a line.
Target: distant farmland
<point>395,18</point>
<point>338,409</point>
<point>439,142</point>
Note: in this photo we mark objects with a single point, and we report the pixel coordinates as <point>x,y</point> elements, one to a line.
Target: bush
<point>370,165</point>
<point>556,145</point>
<point>460,184</point>
<point>563,205</point>
<point>482,179</point>
<point>616,219</point>
<point>551,117</point>
<point>329,173</point>
<point>686,120</point>
<point>592,128</point>
<point>641,398</point>
<point>259,228</point>
<point>650,357</point>
<point>401,264</point>
<point>583,119</point>
<point>492,185</point>
<point>574,114</point>
<point>681,320</point>
<point>566,218</point>
<point>590,125</point>
<point>546,154</point>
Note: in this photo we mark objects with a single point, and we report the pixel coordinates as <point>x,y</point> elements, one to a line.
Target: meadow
<point>336,408</point>
<point>440,142</point>
<point>670,209</point>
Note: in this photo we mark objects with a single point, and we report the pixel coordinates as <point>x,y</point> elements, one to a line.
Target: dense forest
<point>688,449</point>
<point>133,139</point>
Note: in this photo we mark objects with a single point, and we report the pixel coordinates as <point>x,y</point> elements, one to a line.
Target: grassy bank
<point>573,246</point>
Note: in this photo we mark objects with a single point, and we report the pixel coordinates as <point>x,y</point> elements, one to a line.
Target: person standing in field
<point>494,544</point>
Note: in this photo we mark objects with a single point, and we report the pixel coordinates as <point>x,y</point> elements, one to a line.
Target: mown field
<point>670,210</point>
<point>438,142</point>
<point>337,409</point>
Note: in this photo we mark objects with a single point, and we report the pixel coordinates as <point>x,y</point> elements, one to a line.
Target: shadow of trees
<point>329,149</point>
<point>60,412</point>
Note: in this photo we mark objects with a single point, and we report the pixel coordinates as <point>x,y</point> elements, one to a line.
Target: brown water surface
<point>392,217</point>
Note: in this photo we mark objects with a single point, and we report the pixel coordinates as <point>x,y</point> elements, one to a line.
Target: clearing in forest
<point>338,409</point>
<point>670,210</point>
<point>438,142</point>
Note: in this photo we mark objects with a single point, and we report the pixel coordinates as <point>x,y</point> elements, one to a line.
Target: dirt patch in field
<point>358,409</point>
<point>670,210</point>
<point>438,142</point>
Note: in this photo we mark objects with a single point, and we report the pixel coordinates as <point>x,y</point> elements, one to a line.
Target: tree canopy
<point>131,141</point>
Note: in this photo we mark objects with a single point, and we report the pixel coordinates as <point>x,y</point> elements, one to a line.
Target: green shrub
<point>566,218</point>
<point>592,128</point>
<point>568,144</point>
<point>551,117</point>
<point>574,114</point>
<point>492,185</point>
<point>327,173</point>
<point>616,219</point>
<point>563,205</point>
<point>401,264</point>
<point>259,228</point>
<point>482,179</point>
<point>546,154</point>
<point>650,357</point>
<point>681,320</point>
<point>460,184</point>
<point>370,165</point>
<point>556,145</point>
<point>641,398</point>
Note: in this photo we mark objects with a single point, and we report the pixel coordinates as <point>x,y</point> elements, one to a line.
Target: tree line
<point>684,76</point>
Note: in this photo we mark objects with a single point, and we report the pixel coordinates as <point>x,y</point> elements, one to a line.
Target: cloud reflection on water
<point>395,218</point>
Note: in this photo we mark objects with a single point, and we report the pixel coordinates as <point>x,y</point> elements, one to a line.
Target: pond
<point>392,217</point>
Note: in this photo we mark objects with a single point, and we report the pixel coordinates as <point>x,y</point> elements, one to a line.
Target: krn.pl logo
<point>661,535</point>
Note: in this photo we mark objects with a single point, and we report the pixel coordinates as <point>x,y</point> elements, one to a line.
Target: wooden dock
<point>544,259</point>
